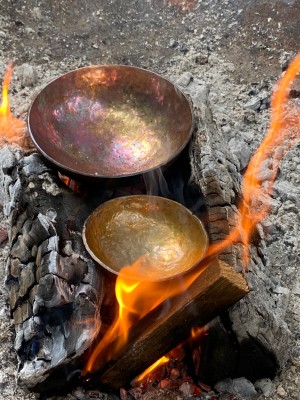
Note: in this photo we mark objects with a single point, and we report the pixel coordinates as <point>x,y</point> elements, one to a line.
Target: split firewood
<point>217,287</point>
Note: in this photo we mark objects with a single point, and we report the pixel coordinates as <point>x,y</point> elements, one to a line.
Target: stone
<point>281,290</point>
<point>264,386</point>
<point>202,58</point>
<point>185,79</point>
<point>241,150</point>
<point>264,171</point>
<point>186,389</point>
<point>253,104</point>
<point>280,391</point>
<point>27,75</point>
<point>196,88</point>
<point>239,386</point>
<point>29,30</point>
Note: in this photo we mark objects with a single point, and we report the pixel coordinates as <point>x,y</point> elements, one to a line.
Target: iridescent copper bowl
<point>163,237</point>
<point>110,121</point>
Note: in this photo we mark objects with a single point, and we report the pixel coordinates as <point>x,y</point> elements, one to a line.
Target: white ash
<point>239,387</point>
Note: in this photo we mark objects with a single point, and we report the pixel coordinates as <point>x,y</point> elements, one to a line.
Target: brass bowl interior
<point>164,237</point>
<point>110,121</point>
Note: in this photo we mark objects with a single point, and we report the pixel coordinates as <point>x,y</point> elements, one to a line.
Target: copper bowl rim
<point>74,172</point>
<point>116,273</point>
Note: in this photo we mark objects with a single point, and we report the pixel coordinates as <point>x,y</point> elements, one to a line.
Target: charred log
<point>56,291</point>
<point>255,322</point>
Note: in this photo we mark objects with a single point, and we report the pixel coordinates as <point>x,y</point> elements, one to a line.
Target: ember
<point>153,367</point>
<point>71,183</point>
<point>169,373</point>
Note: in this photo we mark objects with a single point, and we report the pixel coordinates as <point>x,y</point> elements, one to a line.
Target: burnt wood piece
<point>217,287</point>
<point>258,320</point>
<point>56,291</point>
<point>215,172</point>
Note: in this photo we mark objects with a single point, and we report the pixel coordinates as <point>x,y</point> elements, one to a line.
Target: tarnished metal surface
<point>161,236</point>
<point>110,121</point>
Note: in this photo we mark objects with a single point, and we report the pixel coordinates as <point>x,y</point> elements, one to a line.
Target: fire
<point>4,109</point>
<point>73,185</point>
<point>12,130</point>
<point>197,333</point>
<point>283,133</point>
<point>154,372</point>
<point>163,360</point>
<point>137,297</point>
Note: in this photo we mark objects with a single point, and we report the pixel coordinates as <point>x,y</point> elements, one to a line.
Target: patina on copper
<point>110,121</point>
<point>163,237</point>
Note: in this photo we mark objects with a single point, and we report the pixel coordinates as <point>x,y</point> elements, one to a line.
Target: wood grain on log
<point>217,287</point>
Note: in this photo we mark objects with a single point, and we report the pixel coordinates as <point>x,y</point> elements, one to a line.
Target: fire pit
<point>36,262</point>
<point>110,121</point>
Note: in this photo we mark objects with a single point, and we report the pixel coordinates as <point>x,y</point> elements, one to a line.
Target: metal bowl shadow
<point>162,238</point>
<point>110,121</point>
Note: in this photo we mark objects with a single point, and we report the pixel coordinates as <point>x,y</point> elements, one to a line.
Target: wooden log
<point>56,290</point>
<point>217,287</point>
<point>258,321</point>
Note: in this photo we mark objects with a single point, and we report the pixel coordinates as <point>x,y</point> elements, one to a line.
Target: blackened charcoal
<point>55,295</point>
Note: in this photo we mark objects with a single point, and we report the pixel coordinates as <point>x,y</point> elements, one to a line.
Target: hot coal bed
<point>57,292</point>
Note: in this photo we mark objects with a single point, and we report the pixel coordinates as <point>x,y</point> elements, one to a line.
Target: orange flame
<point>283,133</point>
<point>12,130</point>
<point>4,109</point>
<point>70,183</point>
<point>197,333</point>
<point>163,360</point>
<point>137,297</point>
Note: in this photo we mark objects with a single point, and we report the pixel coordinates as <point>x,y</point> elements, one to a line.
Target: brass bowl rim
<point>76,172</point>
<point>116,273</point>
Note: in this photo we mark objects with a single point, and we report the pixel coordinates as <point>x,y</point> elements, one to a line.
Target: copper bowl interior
<point>164,237</point>
<point>110,121</point>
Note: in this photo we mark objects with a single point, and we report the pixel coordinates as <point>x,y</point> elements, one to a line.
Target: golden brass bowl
<point>162,236</point>
<point>110,121</point>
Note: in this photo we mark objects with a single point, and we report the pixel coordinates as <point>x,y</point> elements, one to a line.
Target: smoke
<point>156,184</point>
